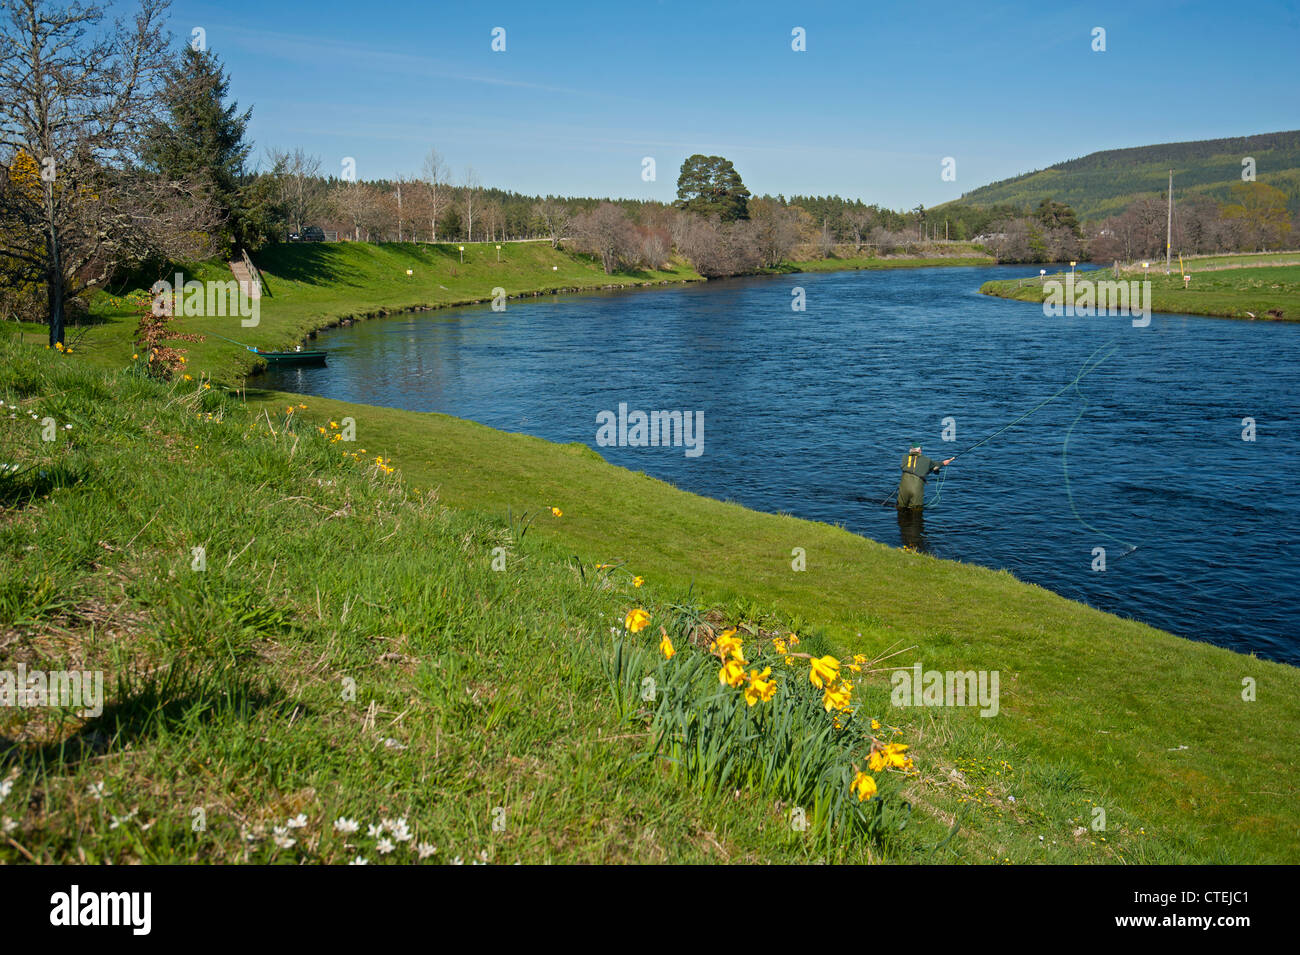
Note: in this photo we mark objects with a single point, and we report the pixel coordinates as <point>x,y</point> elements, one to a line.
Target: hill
<point>1103,183</point>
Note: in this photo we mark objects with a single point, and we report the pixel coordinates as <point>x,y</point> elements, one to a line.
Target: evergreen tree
<point>202,141</point>
<point>710,185</point>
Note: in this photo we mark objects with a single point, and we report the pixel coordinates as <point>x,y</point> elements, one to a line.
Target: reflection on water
<point>810,413</point>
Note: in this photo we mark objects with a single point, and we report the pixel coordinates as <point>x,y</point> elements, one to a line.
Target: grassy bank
<point>1225,290</point>
<point>349,650</point>
<point>959,254</point>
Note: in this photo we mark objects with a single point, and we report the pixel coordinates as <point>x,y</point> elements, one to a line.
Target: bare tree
<point>492,214</point>
<point>555,218</point>
<point>471,186</point>
<point>357,203</point>
<point>435,178</point>
<point>402,211</point>
<point>776,230</point>
<point>297,177</point>
<point>605,231</point>
<point>860,220</point>
<point>75,93</point>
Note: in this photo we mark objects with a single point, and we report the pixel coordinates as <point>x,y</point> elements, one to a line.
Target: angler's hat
<point>914,449</point>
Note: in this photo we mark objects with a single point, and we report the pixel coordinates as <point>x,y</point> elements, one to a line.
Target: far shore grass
<point>1223,290</point>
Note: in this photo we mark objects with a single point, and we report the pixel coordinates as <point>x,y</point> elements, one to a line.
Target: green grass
<point>1235,260</point>
<point>228,688</point>
<point>1223,290</point>
<point>970,255</point>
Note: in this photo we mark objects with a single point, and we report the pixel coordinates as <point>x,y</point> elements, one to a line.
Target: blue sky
<point>882,94</point>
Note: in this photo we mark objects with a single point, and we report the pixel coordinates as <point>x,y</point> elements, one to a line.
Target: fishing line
<point>1088,367</point>
<point>1065,448</point>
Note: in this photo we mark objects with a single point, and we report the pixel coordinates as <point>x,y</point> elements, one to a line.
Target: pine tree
<point>710,185</point>
<point>202,140</point>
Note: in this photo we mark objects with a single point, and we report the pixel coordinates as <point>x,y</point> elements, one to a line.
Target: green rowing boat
<point>299,356</point>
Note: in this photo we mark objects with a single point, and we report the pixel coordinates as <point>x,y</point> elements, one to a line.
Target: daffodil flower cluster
<point>757,685</point>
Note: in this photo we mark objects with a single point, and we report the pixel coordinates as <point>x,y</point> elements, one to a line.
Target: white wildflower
<point>384,846</point>
<point>297,822</point>
<point>346,826</point>
<point>398,827</point>
<point>424,850</point>
<point>360,860</point>
<point>282,837</point>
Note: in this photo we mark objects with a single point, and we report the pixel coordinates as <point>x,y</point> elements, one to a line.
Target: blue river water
<point>810,413</point>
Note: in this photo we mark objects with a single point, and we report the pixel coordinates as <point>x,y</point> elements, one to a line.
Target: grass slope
<point>473,689</point>
<point>1105,183</point>
<point>1088,698</point>
<point>1222,290</point>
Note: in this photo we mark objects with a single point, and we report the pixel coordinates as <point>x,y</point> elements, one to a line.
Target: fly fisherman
<point>916,468</point>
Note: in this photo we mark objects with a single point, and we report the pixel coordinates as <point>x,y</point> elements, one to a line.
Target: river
<point>810,413</point>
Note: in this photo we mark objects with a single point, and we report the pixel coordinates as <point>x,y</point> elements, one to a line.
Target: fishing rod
<point>252,348</point>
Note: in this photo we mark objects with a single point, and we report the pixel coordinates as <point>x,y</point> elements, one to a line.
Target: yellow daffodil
<point>837,697</point>
<point>732,673</point>
<point>863,786</point>
<point>890,756</point>
<point>666,648</point>
<point>825,671</point>
<point>636,620</point>
<point>728,645</point>
<point>760,687</point>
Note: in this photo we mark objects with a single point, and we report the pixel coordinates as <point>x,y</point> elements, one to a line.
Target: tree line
<point>119,152</point>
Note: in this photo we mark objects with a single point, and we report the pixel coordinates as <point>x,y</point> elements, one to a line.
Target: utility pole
<point>1169,228</point>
